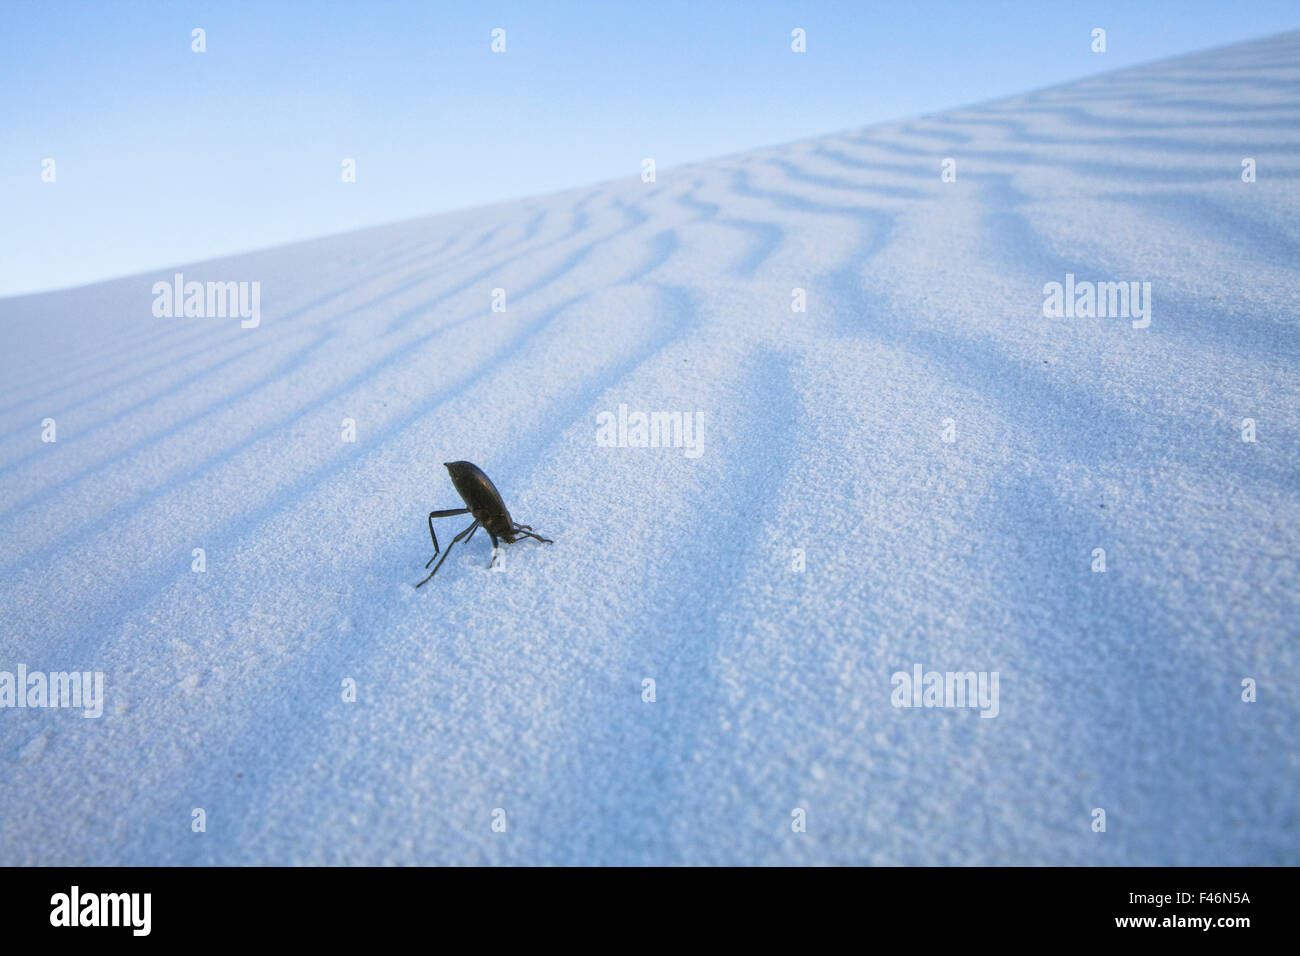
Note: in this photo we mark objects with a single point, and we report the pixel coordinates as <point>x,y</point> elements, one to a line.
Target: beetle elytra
<point>484,502</point>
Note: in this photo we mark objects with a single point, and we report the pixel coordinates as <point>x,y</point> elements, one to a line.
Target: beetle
<point>483,501</point>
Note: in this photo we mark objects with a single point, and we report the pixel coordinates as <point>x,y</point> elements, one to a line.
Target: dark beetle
<point>485,504</point>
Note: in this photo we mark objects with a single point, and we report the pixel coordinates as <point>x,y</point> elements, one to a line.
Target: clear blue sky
<point>165,156</point>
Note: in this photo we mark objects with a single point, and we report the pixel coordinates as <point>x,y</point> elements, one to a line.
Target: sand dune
<point>821,430</point>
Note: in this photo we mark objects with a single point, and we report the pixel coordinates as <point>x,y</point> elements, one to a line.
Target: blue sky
<point>165,156</point>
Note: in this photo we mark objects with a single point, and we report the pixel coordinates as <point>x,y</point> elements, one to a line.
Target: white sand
<point>822,430</point>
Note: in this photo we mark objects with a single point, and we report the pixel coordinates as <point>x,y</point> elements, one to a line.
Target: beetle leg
<point>469,530</point>
<point>523,531</point>
<point>441,514</point>
<point>527,530</point>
